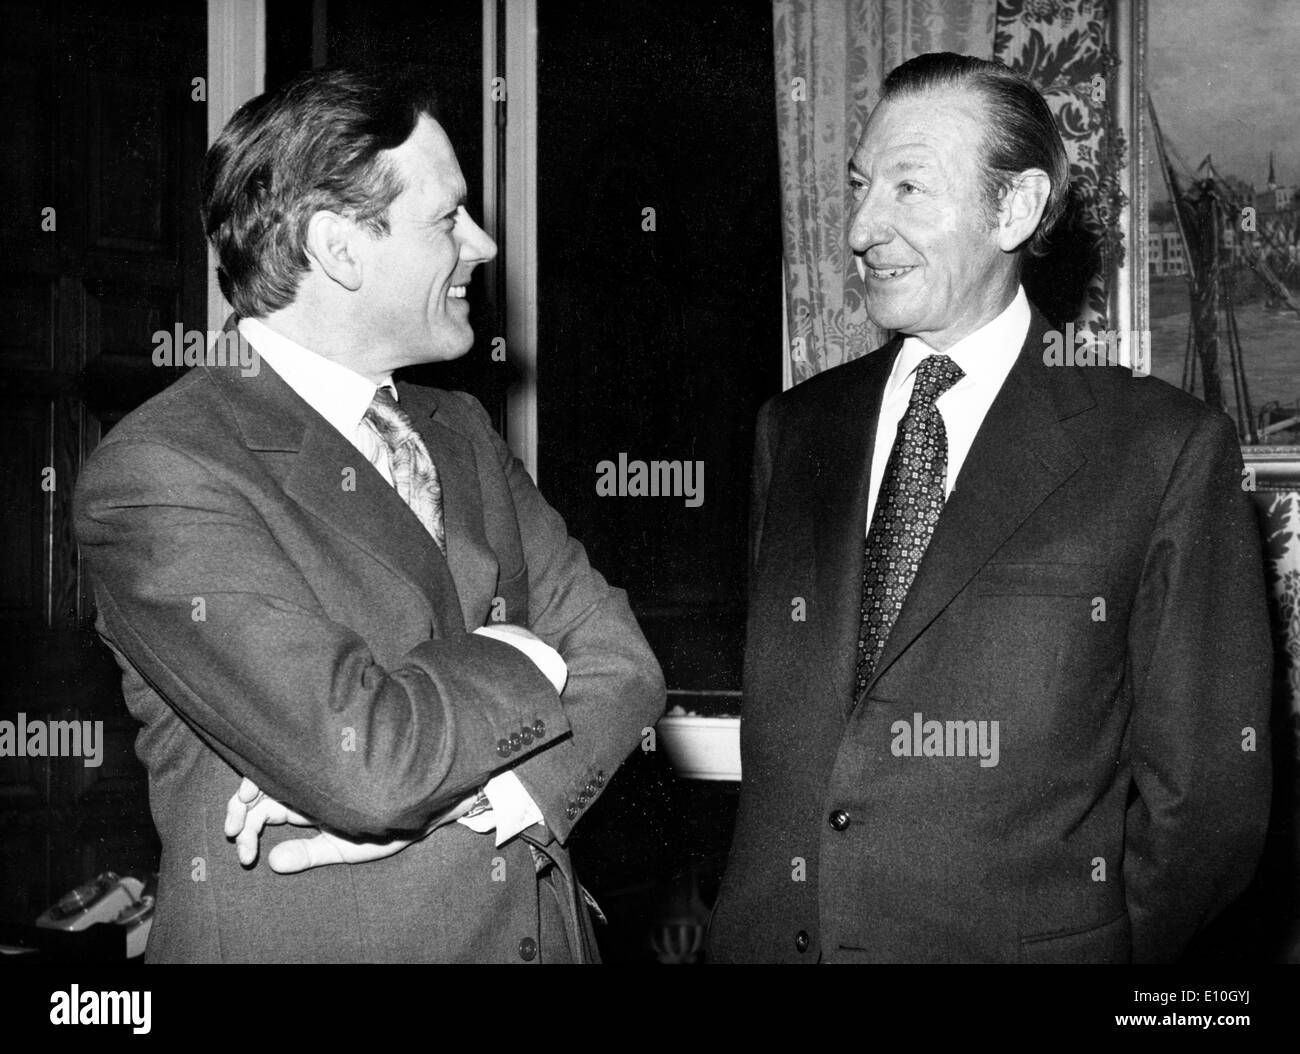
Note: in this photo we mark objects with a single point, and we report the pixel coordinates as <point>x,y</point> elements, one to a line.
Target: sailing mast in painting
<point>1230,256</point>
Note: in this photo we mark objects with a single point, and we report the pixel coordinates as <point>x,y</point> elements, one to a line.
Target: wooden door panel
<point>103,130</point>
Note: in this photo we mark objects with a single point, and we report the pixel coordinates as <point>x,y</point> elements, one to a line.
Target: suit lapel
<point>843,436</point>
<point>472,562</point>
<point>1021,454</point>
<point>311,459</point>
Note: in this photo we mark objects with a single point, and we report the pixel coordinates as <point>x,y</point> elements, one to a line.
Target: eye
<point>859,187</point>
<point>908,187</point>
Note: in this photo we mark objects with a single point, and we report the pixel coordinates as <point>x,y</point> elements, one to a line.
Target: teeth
<point>457,291</point>
<point>888,272</point>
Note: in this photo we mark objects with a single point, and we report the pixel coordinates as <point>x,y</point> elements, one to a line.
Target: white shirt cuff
<point>513,808</point>
<point>544,657</point>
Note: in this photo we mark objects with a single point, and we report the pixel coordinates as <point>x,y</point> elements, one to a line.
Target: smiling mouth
<point>458,292</point>
<point>884,274</point>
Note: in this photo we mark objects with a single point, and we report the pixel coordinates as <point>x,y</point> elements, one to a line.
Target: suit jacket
<point>1094,585</point>
<point>279,612</point>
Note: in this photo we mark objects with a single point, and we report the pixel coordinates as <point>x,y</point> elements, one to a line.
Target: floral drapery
<point>831,57</point>
<point>1063,46</point>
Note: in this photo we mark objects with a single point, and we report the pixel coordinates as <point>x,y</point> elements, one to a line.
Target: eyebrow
<point>901,165</point>
<point>451,209</point>
<point>910,165</point>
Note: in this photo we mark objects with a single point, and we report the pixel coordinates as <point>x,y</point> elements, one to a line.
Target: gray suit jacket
<point>1095,586</point>
<point>275,620</point>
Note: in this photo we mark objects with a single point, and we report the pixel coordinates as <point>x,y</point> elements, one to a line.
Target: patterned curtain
<point>831,57</point>
<point>1064,47</point>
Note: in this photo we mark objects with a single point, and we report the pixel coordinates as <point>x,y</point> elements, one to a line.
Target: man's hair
<point>312,144</point>
<point>1019,132</point>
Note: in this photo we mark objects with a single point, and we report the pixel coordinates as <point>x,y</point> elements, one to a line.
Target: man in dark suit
<point>346,590</point>
<point>1008,666</point>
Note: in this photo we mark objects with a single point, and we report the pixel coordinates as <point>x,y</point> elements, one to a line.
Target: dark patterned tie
<point>415,476</point>
<point>907,508</point>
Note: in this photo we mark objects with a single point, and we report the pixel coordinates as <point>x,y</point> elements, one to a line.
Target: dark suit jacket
<point>274,620</point>
<point>1123,812</point>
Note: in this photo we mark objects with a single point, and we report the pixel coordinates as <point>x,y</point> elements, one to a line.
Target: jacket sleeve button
<point>503,747</point>
<point>801,941</point>
<point>528,949</point>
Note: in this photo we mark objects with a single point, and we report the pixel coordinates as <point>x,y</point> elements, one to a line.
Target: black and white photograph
<point>652,482</point>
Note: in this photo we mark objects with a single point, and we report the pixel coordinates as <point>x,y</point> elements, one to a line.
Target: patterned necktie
<point>907,508</point>
<point>415,476</point>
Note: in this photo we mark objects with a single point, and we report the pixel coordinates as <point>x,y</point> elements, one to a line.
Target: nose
<point>476,246</point>
<point>870,223</point>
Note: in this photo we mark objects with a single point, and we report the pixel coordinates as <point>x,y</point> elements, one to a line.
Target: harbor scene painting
<point>1223,242</point>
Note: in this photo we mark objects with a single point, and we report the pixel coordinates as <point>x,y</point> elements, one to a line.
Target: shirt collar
<point>985,356</point>
<point>338,394</point>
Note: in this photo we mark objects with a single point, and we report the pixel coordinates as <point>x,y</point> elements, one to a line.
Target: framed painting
<point>1222,209</point>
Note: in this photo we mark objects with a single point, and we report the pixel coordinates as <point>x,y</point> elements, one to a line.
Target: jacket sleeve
<point>615,689</point>
<point>1201,660</point>
<point>197,594</point>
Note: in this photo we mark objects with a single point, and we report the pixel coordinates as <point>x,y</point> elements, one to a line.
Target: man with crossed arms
<point>344,589</point>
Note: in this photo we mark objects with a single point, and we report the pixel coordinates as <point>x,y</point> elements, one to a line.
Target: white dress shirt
<point>985,356</point>
<point>342,397</point>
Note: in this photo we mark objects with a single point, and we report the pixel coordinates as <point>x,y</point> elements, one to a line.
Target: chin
<point>901,317</point>
<point>897,321</point>
<point>448,352</point>
<point>443,346</point>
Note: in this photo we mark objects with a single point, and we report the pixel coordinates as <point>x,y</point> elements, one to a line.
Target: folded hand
<point>250,810</point>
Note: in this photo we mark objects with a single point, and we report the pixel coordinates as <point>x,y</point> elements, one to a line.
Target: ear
<point>1022,208</point>
<point>333,242</point>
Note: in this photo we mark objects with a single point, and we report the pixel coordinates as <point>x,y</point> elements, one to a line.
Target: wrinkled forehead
<point>939,127</point>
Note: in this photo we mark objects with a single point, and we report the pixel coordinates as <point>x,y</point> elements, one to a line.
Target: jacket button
<point>801,941</point>
<point>503,747</point>
<point>528,949</point>
<point>539,727</point>
<point>840,820</point>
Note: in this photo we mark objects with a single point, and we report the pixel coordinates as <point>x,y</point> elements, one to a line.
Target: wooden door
<point>102,246</point>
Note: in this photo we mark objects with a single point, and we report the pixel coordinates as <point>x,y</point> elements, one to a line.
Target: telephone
<point>108,898</point>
